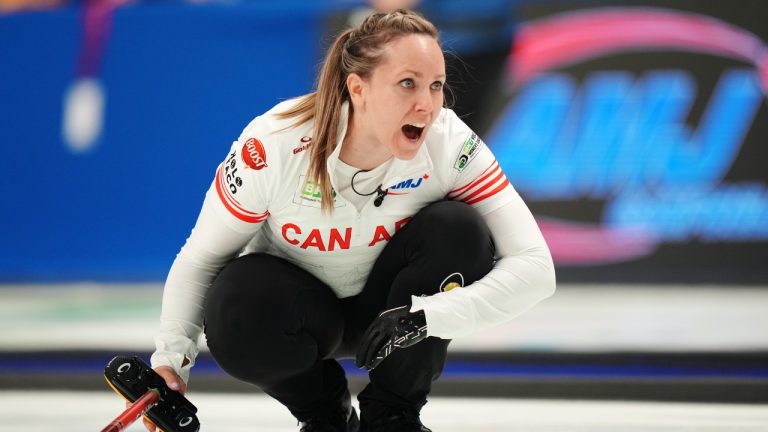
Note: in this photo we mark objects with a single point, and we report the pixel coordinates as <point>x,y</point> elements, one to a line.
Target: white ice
<point>35,411</point>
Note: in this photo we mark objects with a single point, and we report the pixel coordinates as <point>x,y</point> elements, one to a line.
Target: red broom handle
<point>133,412</point>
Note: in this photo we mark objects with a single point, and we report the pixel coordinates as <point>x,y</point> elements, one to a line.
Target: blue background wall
<point>180,81</point>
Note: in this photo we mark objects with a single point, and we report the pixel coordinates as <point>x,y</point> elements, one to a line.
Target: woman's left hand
<point>393,329</point>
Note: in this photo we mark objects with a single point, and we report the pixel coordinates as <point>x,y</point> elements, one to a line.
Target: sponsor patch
<point>308,194</point>
<point>305,143</point>
<point>454,280</point>
<point>469,150</point>
<point>254,155</point>
<point>411,183</point>
<point>230,175</point>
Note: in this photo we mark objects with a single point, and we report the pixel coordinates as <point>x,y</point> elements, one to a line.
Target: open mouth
<point>413,131</point>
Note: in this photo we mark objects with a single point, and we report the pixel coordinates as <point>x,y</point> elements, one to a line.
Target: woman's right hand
<point>173,381</point>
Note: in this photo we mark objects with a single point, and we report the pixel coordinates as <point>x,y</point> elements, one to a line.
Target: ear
<point>356,89</point>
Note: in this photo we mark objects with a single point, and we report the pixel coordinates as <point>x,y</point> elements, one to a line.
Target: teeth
<point>418,125</point>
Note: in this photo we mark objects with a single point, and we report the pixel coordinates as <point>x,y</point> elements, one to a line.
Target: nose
<point>424,102</point>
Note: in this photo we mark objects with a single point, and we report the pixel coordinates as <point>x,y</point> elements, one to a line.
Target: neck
<point>362,151</point>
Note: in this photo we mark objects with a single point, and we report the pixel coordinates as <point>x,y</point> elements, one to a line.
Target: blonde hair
<point>356,50</point>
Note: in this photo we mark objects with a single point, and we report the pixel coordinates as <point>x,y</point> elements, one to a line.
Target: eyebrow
<point>419,74</point>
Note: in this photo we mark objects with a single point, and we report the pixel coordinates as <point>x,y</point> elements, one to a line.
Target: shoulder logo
<point>305,143</point>
<point>231,177</point>
<point>469,150</point>
<point>253,154</point>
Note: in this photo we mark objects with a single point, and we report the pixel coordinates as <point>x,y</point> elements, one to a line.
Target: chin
<point>406,156</point>
<point>407,150</point>
<point>407,153</point>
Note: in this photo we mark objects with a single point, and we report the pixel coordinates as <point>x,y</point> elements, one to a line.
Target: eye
<point>407,83</point>
<point>437,85</point>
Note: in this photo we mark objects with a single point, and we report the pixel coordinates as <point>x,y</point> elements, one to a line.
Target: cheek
<point>439,99</point>
<point>388,117</point>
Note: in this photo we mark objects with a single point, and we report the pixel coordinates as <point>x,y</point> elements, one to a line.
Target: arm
<point>523,275</point>
<point>233,211</point>
<point>212,243</point>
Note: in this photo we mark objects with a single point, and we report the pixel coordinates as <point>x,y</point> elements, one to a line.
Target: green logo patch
<point>469,150</point>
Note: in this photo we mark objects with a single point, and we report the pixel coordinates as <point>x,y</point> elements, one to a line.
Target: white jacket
<point>259,201</point>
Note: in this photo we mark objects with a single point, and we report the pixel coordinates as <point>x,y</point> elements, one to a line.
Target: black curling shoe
<point>395,420</point>
<point>339,421</point>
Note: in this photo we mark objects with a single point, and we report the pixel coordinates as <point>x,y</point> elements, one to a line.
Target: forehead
<point>415,53</point>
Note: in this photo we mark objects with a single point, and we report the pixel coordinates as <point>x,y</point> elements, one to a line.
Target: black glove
<point>395,328</point>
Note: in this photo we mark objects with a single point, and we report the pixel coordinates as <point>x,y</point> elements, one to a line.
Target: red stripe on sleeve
<point>233,206</point>
<point>456,192</point>
<point>482,188</point>
<point>489,194</point>
<point>227,195</point>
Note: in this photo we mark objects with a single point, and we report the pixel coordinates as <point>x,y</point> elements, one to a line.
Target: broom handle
<point>133,412</point>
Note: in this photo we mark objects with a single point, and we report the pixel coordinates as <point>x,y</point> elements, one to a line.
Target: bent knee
<point>454,223</point>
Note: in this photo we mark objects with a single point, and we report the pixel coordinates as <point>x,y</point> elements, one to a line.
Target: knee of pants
<point>455,226</point>
<point>266,319</point>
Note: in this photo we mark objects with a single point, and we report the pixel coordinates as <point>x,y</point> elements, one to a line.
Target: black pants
<point>272,324</point>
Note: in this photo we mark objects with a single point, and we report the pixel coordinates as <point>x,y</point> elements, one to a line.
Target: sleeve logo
<point>468,152</point>
<point>253,154</point>
<point>231,178</point>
